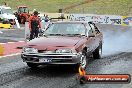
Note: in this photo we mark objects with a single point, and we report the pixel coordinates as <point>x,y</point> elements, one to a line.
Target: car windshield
<point>7,11</point>
<point>66,29</point>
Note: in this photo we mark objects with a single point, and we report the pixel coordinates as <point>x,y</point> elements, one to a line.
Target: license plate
<point>46,60</point>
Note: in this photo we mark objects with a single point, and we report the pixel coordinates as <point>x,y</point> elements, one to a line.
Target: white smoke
<point>117,40</point>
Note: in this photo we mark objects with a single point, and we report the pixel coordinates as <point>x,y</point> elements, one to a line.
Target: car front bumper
<point>51,58</point>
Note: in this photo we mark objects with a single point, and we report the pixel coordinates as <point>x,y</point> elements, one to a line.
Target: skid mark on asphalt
<point>10,48</point>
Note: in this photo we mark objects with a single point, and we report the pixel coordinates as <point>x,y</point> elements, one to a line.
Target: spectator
<point>46,18</point>
<point>34,25</point>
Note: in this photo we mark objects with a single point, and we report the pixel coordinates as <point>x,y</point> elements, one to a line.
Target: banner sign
<point>126,21</point>
<point>102,19</point>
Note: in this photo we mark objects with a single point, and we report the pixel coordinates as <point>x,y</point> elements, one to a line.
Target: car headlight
<point>30,50</point>
<point>64,51</point>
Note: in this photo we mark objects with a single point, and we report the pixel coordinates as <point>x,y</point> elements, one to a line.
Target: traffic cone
<point>1,50</point>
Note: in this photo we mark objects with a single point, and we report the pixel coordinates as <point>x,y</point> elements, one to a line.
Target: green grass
<point>114,7</point>
<point>41,5</point>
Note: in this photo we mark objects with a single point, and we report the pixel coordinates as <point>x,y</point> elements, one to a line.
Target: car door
<point>97,35</point>
<point>93,34</point>
<point>89,40</point>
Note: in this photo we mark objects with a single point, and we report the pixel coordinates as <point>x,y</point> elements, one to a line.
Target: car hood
<point>53,42</point>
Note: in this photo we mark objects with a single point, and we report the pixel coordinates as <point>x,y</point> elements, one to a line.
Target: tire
<point>98,52</point>
<point>32,65</point>
<point>83,62</point>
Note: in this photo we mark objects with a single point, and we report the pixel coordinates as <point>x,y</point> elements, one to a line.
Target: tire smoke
<point>117,39</point>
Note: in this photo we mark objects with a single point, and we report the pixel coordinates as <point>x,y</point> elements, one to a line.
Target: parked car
<point>7,15</point>
<point>64,43</point>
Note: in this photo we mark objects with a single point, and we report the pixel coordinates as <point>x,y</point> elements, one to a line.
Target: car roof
<point>5,7</point>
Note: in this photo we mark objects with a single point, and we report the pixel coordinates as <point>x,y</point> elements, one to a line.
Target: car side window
<point>94,28</point>
<point>91,30</point>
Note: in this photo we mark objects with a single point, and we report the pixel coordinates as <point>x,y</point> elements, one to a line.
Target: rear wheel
<point>97,53</point>
<point>32,65</point>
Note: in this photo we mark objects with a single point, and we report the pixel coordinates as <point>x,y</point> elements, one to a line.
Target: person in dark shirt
<point>34,25</point>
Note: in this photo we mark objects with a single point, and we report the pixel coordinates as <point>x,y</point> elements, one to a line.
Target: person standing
<point>34,25</point>
<point>46,18</point>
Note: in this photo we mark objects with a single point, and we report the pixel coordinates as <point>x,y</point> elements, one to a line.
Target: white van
<point>7,15</point>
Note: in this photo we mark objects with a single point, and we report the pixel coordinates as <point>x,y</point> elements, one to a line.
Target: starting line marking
<point>21,41</point>
<point>11,42</point>
<point>2,43</point>
<point>10,55</point>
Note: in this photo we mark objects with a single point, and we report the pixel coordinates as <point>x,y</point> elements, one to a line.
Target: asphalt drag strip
<point>48,76</point>
<point>64,76</point>
<point>117,59</point>
<point>12,35</point>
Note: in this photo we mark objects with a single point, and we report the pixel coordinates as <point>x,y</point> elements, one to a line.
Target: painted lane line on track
<point>7,29</point>
<point>10,55</point>
<point>11,42</point>
<point>3,43</point>
<point>21,41</point>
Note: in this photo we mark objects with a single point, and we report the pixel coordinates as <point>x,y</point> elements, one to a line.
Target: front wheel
<point>82,64</point>
<point>83,61</point>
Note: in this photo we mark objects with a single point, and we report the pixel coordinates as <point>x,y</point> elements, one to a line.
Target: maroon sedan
<point>64,43</point>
